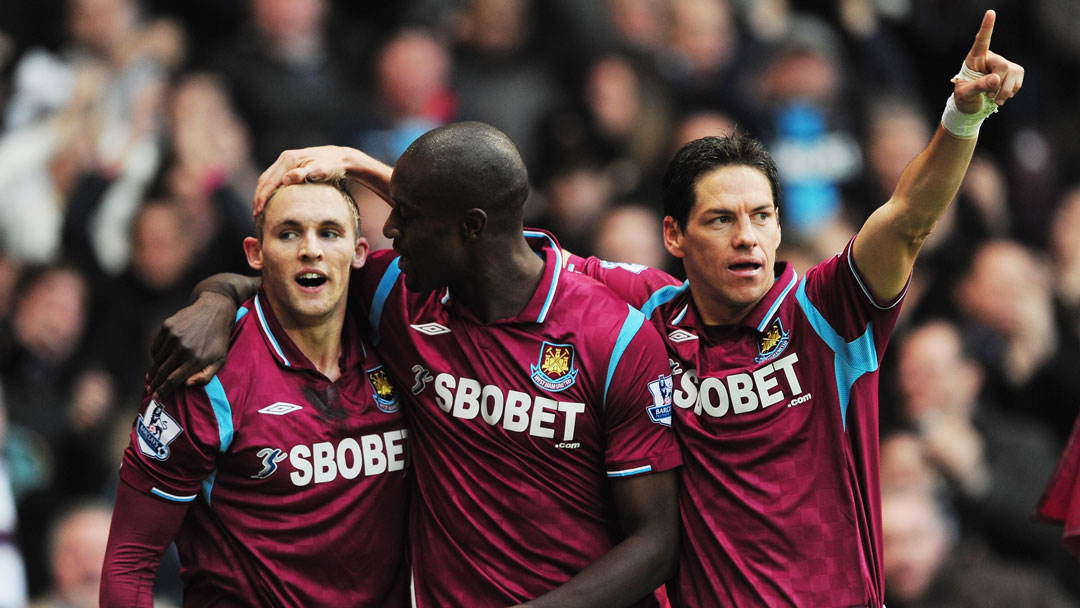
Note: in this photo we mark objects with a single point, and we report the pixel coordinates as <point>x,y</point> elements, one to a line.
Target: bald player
<point>539,402</point>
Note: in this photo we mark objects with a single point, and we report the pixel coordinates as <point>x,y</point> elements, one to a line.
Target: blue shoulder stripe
<point>171,497</point>
<point>270,334</point>
<point>386,283</point>
<point>633,322</point>
<point>240,312</point>
<point>662,296</point>
<point>222,411</point>
<point>208,484</point>
<point>554,277</point>
<point>852,360</point>
<point>630,472</point>
<point>776,305</point>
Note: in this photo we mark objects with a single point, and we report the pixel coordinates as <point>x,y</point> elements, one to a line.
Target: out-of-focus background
<point>132,132</point>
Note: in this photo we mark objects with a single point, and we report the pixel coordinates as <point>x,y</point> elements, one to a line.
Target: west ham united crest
<point>386,397</point>
<point>772,343</point>
<point>555,371</point>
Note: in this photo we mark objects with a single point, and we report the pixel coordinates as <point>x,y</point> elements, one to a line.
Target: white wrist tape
<point>967,74</point>
<point>961,124</point>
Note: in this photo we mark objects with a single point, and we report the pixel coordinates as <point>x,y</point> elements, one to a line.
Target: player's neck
<point>503,282</point>
<point>716,313</point>
<point>319,341</point>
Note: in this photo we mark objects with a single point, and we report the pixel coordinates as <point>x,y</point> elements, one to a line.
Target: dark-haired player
<point>775,391</point>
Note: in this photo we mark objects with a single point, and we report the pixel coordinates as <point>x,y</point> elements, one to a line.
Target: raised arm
<point>295,166</point>
<point>890,239</point>
<point>190,346</point>
<point>648,509</point>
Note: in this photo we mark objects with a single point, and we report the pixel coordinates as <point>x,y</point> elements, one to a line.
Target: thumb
<point>971,95</point>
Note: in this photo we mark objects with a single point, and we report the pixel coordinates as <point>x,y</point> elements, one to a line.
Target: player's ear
<point>673,237</point>
<point>360,256</point>
<point>473,223</point>
<point>253,250</point>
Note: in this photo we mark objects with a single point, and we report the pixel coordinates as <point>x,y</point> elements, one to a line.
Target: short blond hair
<point>341,184</point>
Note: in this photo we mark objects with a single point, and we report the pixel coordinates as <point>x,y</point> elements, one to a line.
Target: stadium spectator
<point>996,460</point>
<point>76,551</point>
<point>927,565</point>
<point>1006,303</point>
<point>288,79</point>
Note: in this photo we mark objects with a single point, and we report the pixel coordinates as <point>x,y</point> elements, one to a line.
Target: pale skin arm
<point>295,166</point>
<point>648,508</point>
<point>892,236</point>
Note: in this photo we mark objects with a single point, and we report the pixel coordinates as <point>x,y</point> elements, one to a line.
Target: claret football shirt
<point>297,484</point>
<point>518,426</point>
<point>778,420</point>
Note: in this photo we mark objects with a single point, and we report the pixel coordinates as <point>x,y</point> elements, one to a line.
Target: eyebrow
<point>292,223</point>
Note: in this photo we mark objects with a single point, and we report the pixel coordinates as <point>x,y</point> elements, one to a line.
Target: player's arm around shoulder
<point>642,460</point>
<point>190,346</point>
<point>634,283</point>
<point>891,238</point>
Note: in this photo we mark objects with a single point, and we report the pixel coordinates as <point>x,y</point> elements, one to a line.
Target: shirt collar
<point>761,315</point>
<point>539,305</point>
<point>287,353</point>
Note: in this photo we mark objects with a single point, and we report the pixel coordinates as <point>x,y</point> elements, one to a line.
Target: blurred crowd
<point>132,133</point>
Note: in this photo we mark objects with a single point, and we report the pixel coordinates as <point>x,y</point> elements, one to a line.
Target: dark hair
<point>341,184</point>
<point>471,164</point>
<point>702,156</point>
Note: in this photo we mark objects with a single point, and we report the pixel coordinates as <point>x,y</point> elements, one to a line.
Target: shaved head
<point>468,165</point>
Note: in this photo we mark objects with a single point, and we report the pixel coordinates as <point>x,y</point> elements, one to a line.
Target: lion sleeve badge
<point>155,430</point>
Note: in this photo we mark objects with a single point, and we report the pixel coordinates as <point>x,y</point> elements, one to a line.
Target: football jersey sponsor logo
<point>634,268</point>
<point>280,408</point>
<point>772,343</point>
<point>467,399</point>
<point>421,379</point>
<point>554,370</point>
<point>676,367</point>
<point>431,329</point>
<point>681,335</point>
<point>742,392</point>
<point>270,458</point>
<point>386,398</point>
<point>155,430</point>
<point>325,461</point>
<point>660,410</point>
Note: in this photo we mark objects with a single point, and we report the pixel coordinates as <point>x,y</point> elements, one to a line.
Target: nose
<point>310,247</point>
<point>744,235</point>
<point>390,228</point>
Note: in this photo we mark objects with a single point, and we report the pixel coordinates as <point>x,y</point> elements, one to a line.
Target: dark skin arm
<point>648,509</point>
<point>190,346</point>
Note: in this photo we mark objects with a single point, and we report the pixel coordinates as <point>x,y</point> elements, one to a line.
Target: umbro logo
<point>680,335</point>
<point>431,329</point>
<point>280,408</point>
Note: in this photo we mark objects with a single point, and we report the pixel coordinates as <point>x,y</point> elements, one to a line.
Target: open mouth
<point>310,279</point>
<point>745,267</point>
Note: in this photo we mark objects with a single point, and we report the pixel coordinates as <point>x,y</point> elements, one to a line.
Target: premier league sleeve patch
<point>660,410</point>
<point>156,429</point>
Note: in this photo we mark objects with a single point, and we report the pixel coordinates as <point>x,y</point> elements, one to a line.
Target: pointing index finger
<point>982,39</point>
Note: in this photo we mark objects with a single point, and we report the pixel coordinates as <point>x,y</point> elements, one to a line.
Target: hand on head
<point>296,166</point>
